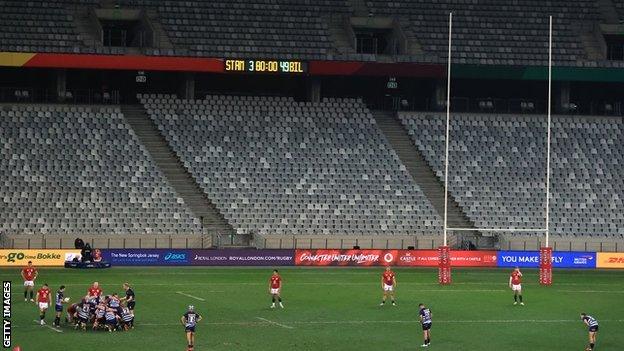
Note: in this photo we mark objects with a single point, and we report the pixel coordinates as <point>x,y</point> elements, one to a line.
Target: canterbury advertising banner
<point>40,257</point>
<point>407,258</point>
<point>609,260</point>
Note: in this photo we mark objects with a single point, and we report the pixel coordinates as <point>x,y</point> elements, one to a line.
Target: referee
<point>130,297</point>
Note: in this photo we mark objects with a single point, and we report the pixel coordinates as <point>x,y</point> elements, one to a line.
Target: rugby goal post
<point>444,252</point>
<point>545,268</point>
<point>545,252</point>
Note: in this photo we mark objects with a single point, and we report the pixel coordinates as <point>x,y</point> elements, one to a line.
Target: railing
<point>151,32</point>
<point>345,242</point>
<point>80,96</point>
<point>95,22</point>
<point>348,28</point>
<point>188,241</point>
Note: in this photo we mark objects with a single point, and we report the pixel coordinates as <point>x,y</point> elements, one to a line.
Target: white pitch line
<point>48,326</point>
<point>191,296</point>
<point>275,323</point>
<point>536,284</point>
<point>202,323</point>
<point>593,291</point>
<point>492,321</point>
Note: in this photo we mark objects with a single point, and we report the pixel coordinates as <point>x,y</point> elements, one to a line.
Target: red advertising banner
<point>403,258</point>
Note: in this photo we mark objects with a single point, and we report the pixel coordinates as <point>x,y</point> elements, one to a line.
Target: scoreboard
<point>266,66</point>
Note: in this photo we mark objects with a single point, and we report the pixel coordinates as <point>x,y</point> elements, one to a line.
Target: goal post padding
<point>444,265</point>
<point>545,267</point>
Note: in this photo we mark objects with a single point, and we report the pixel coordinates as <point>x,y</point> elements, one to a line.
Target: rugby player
<point>71,312</point>
<point>189,321</point>
<point>388,284</point>
<point>95,292</point>
<point>58,305</point>
<point>114,303</point>
<point>425,320</point>
<point>29,274</point>
<point>515,283</point>
<point>83,312</point>
<point>100,312</point>
<point>592,325</point>
<point>275,288</point>
<point>111,319</point>
<point>130,297</point>
<point>43,301</point>
<point>127,318</point>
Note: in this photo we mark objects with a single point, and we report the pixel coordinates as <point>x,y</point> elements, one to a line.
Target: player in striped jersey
<point>127,318</point>
<point>99,319</point>
<point>84,314</point>
<point>592,325</point>
<point>425,320</point>
<point>111,320</point>
<point>189,321</point>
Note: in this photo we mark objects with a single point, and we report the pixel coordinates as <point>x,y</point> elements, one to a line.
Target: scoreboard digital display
<point>266,66</point>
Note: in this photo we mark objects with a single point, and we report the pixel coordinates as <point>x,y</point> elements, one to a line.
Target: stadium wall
<point>395,242</point>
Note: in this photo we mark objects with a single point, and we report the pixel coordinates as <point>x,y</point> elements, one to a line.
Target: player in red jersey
<point>94,292</point>
<point>43,300</point>
<point>515,283</point>
<point>275,288</point>
<point>71,312</point>
<point>388,284</point>
<point>29,273</point>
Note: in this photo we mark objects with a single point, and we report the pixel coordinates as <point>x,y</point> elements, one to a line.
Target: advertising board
<point>39,257</point>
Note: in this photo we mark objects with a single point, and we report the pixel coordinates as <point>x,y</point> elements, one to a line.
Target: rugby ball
<point>66,299</point>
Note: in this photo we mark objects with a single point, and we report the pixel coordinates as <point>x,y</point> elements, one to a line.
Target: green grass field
<point>335,309</point>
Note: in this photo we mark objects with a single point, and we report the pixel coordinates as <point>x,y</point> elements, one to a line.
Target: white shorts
<point>516,287</point>
<point>43,305</point>
<point>388,287</point>
<point>29,283</point>
<point>275,291</point>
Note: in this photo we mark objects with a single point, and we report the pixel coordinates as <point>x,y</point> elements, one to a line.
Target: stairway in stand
<point>177,175</point>
<point>423,175</point>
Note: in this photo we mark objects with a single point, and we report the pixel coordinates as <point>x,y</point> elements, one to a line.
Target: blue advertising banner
<point>182,257</point>
<point>147,257</point>
<point>560,259</point>
<point>244,257</point>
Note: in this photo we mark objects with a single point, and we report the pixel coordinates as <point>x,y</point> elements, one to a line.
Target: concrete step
<point>172,168</point>
<point>420,170</point>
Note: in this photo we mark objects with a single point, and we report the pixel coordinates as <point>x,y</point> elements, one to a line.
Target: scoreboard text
<point>265,66</point>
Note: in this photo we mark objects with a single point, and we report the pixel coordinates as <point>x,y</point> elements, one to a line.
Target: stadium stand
<point>258,29</point>
<point>497,169</point>
<point>277,166</point>
<point>491,33</point>
<point>81,170</point>
<point>485,33</point>
<point>37,26</point>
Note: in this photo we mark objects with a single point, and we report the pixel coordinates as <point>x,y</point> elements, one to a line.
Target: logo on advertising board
<point>408,258</point>
<point>146,257</point>
<point>610,260</point>
<point>345,257</point>
<point>41,257</point>
<point>560,259</point>
<point>242,257</point>
<point>180,257</point>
